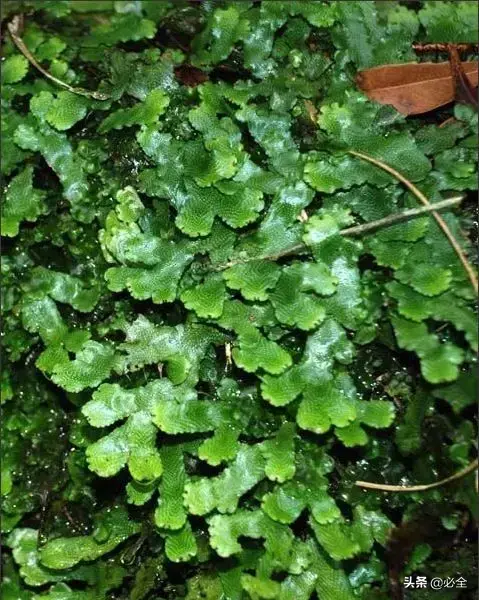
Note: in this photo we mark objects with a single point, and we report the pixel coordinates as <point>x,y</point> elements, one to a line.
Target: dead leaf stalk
<point>14,29</point>
<point>364,228</point>
<point>422,198</point>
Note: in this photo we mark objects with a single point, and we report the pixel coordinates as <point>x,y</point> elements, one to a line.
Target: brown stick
<point>14,28</point>
<point>419,488</point>
<point>411,213</point>
<point>272,257</point>
<point>447,122</point>
<point>443,47</point>
<point>422,198</point>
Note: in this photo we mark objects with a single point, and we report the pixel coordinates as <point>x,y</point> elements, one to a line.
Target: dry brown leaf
<point>414,88</point>
<point>190,76</point>
<point>465,91</point>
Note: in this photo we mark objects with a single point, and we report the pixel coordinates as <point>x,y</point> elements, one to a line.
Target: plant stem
<point>272,257</point>
<point>422,198</point>
<point>443,47</point>
<point>411,213</point>
<point>14,28</point>
<point>419,488</point>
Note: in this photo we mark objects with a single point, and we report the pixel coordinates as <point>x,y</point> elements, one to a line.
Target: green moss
<point>198,365</point>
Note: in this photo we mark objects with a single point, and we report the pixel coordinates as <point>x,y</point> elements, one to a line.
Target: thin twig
<point>419,488</point>
<point>447,122</point>
<point>272,257</point>
<point>472,276</point>
<point>399,217</point>
<point>14,29</point>
<point>422,198</point>
<point>443,47</point>
<point>411,213</point>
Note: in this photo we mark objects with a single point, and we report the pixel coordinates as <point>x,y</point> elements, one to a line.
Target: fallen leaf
<point>465,91</point>
<point>190,76</point>
<point>414,88</point>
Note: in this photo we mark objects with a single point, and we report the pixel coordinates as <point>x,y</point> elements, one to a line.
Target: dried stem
<point>422,198</point>
<point>443,47</point>
<point>447,122</point>
<point>472,276</point>
<point>412,213</point>
<point>14,29</point>
<point>419,488</point>
<point>273,257</point>
<point>393,219</point>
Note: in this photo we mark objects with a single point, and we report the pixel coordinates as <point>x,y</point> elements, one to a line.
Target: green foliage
<point>14,69</point>
<point>22,203</point>
<point>449,23</point>
<point>114,528</point>
<point>145,113</point>
<point>199,363</point>
<point>61,112</point>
